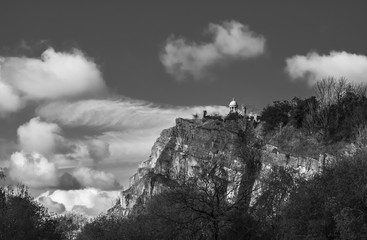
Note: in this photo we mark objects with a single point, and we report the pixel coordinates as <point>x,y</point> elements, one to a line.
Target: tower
<point>233,106</point>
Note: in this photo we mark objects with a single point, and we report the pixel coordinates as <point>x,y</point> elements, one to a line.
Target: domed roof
<point>233,103</point>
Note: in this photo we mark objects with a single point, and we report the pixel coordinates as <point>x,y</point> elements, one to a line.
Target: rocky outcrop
<point>179,150</point>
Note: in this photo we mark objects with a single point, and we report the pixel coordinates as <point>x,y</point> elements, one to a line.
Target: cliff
<point>187,145</point>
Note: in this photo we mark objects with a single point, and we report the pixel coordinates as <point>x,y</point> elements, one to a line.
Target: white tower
<point>233,106</point>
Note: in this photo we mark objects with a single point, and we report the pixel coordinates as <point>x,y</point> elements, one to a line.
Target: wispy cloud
<point>128,126</point>
<point>314,67</point>
<point>231,41</point>
<point>119,114</point>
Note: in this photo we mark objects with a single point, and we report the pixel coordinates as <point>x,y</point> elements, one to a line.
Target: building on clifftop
<point>234,113</point>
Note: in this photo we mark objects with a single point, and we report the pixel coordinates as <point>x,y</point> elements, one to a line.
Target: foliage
<point>335,114</point>
<point>331,205</point>
<point>70,224</point>
<point>215,116</point>
<point>23,218</point>
<point>103,227</point>
<point>198,207</point>
<point>276,115</point>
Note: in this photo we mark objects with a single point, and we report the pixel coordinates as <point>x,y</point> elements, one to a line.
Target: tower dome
<point>233,106</point>
<point>233,103</point>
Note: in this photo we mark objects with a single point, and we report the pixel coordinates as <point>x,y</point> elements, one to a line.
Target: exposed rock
<point>180,148</point>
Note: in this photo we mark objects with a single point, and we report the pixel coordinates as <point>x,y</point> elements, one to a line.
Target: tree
<point>331,205</point>
<point>209,203</point>
<point>302,112</point>
<point>275,186</point>
<point>23,218</point>
<point>276,115</point>
<point>70,224</point>
<point>104,227</point>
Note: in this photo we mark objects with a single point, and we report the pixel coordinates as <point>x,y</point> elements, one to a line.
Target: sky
<point>87,86</point>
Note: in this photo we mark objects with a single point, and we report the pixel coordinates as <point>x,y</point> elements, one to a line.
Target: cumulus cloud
<point>98,150</point>
<point>9,100</point>
<point>97,179</point>
<point>46,138</point>
<point>89,201</point>
<point>55,75</point>
<point>33,169</point>
<point>68,182</point>
<point>314,67</point>
<point>231,40</point>
<point>85,152</point>
<point>38,136</point>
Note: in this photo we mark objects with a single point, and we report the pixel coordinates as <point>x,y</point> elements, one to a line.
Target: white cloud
<point>85,152</point>
<point>97,150</point>
<point>111,115</point>
<point>55,75</point>
<point>9,100</point>
<point>33,170</point>
<point>314,67</point>
<point>231,40</point>
<point>97,179</point>
<point>45,138</point>
<point>90,200</point>
<point>38,136</point>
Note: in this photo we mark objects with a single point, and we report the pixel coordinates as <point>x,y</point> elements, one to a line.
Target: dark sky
<point>84,119</point>
<point>125,39</point>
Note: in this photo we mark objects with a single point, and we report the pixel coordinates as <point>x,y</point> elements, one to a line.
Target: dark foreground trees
<point>333,205</point>
<point>333,115</point>
<point>22,218</point>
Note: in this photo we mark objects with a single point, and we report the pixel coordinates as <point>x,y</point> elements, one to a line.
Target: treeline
<point>337,112</point>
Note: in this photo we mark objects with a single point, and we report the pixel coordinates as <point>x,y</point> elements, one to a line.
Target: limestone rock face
<point>180,148</point>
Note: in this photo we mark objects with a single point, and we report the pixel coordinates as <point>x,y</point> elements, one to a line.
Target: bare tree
<point>330,90</point>
<point>205,204</point>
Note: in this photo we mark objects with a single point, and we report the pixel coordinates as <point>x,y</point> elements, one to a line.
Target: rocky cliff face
<point>180,149</point>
